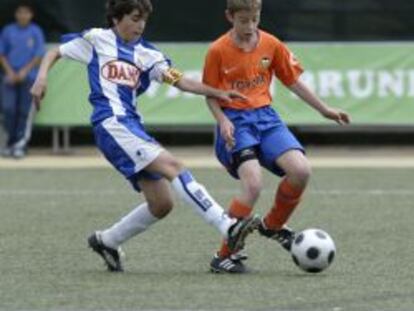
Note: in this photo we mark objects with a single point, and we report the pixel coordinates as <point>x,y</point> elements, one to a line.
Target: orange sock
<point>237,210</point>
<point>287,198</point>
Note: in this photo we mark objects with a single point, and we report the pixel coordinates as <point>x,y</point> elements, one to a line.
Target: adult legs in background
<point>24,119</point>
<point>2,129</point>
<point>9,104</point>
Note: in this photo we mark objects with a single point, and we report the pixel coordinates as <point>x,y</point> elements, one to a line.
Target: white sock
<point>137,221</point>
<point>194,194</point>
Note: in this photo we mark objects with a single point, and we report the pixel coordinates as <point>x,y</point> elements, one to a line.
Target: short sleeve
<point>39,43</point>
<point>78,47</point>
<point>3,42</point>
<point>157,71</point>
<point>152,60</point>
<point>285,65</point>
<point>211,71</point>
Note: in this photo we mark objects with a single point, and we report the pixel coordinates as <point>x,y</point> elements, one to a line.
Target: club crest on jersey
<point>265,63</point>
<point>121,72</point>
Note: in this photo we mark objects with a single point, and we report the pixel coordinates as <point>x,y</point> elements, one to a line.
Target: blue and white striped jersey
<point>118,72</point>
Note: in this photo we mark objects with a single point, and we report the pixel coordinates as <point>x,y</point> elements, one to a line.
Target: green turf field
<point>45,216</point>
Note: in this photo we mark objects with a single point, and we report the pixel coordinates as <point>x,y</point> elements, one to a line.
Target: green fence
<point>374,82</point>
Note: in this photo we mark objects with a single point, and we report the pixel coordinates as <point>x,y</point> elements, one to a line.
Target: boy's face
<point>245,22</point>
<point>24,16</point>
<point>131,26</point>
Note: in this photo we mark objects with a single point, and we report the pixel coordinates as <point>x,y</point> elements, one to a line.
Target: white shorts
<point>125,144</point>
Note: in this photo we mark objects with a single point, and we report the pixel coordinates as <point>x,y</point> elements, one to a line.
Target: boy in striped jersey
<point>121,66</point>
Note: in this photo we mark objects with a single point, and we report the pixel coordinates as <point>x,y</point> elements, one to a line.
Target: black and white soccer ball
<point>313,250</point>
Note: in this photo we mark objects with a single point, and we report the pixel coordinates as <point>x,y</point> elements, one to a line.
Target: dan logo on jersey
<point>123,73</point>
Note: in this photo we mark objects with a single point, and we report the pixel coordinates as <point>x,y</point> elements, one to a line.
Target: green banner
<point>374,82</point>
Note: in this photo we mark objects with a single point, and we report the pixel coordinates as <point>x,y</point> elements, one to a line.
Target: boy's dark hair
<point>239,5</point>
<point>27,4</point>
<point>119,8</point>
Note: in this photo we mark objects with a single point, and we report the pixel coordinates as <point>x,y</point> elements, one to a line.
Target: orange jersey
<point>228,67</point>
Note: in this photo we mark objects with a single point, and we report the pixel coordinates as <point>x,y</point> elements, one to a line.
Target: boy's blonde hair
<point>240,5</point>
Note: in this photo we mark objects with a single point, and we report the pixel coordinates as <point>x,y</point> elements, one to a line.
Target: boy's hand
<point>22,74</point>
<point>337,115</point>
<point>38,91</point>
<point>227,132</point>
<point>229,96</point>
<point>11,78</point>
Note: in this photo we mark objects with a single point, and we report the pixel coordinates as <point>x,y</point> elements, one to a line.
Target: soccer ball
<point>313,250</point>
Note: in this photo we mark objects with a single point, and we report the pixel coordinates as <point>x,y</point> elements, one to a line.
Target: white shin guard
<point>195,195</point>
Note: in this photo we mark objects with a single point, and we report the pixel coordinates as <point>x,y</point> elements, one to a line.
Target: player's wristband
<point>172,76</point>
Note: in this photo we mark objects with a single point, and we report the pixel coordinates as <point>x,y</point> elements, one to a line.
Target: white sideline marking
<point>222,309</point>
<point>41,192</point>
<point>70,162</point>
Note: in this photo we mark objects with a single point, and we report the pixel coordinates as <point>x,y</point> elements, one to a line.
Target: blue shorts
<point>125,144</point>
<point>262,129</point>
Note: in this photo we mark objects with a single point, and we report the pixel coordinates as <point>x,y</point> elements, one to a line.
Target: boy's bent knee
<point>176,165</point>
<point>300,174</point>
<point>168,166</point>
<point>173,169</point>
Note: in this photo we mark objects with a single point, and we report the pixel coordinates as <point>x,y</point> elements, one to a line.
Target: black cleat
<point>227,265</point>
<point>284,236</point>
<point>112,257</point>
<point>238,232</point>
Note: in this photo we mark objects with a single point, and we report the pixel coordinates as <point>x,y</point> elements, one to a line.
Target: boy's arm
<point>193,86</point>
<point>39,87</point>
<point>301,90</point>
<point>226,126</point>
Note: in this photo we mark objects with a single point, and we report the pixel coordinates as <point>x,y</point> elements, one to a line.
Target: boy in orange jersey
<point>250,134</point>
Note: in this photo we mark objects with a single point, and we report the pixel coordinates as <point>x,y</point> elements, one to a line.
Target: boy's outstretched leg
<point>195,195</point>
<point>234,230</point>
